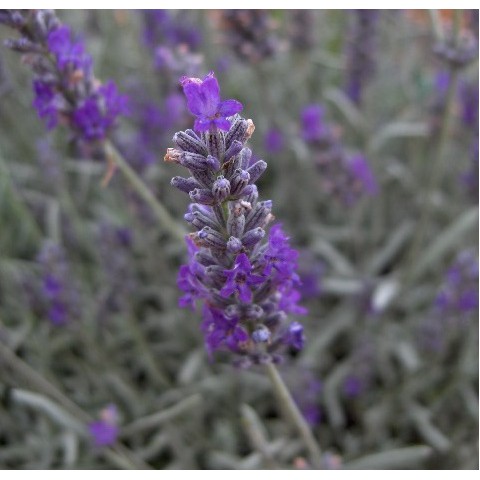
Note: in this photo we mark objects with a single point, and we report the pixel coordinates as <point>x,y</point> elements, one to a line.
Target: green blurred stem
<point>293,414</point>
<point>118,454</point>
<point>437,163</point>
<point>138,184</point>
<point>145,351</point>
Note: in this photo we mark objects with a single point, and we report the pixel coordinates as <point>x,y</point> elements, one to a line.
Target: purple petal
<point>203,98</point>
<point>202,124</point>
<point>227,290</point>
<point>229,107</point>
<point>245,293</point>
<point>194,101</point>
<point>222,123</point>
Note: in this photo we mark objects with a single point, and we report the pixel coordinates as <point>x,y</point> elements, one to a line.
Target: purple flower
<point>362,172</point>
<point>240,279</point>
<point>220,330</point>
<point>45,103</point>
<point>313,126</point>
<point>442,81</point>
<point>469,103</point>
<point>104,432</point>
<point>59,294</point>
<point>281,259</point>
<point>98,113</point>
<point>64,85</point>
<point>190,279</point>
<point>458,296</point>
<point>58,313</point>
<point>295,336</point>
<point>455,304</point>
<point>344,176</point>
<point>274,141</point>
<point>353,386</point>
<point>306,390</point>
<point>203,101</point>
<point>69,54</point>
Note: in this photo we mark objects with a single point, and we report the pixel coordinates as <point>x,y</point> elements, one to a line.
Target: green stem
<point>145,351</point>
<point>293,414</point>
<point>118,454</point>
<point>138,184</point>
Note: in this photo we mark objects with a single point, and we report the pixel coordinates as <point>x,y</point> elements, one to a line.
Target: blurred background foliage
<point>389,375</point>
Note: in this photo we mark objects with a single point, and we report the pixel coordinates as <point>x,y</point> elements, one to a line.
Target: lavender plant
<point>66,91</point>
<point>344,176</point>
<point>100,368</point>
<point>247,285</point>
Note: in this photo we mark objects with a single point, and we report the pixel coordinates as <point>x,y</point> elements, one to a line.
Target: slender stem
<point>138,184</point>
<point>294,415</point>
<point>146,352</point>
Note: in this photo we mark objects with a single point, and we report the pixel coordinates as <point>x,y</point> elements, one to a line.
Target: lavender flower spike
<point>66,91</point>
<point>243,278</point>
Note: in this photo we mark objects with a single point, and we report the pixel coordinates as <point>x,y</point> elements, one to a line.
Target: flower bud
<point>185,184</point>
<point>256,170</point>
<point>234,245</point>
<point>221,189</point>
<point>252,237</point>
<point>189,143</point>
<point>203,196</point>
<point>239,181</point>
<point>261,334</point>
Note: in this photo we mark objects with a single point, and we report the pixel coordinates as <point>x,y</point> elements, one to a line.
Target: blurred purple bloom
<point>274,141</point>
<point>459,294</point>
<point>295,336</point>
<point>311,272</point>
<point>306,390</point>
<point>58,314</point>
<point>69,54</point>
<point>353,386</point>
<point>104,432</point>
<point>281,259</point>
<point>442,81</point>
<point>99,112</point>
<point>64,85</point>
<point>469,102</point>
<point>203,100</point>
<point>344,176</point>
<point>51,286</point>
<point>313,126</point>
<point>59,294</point>
<point>45,102</point>
<point>363,173</point>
